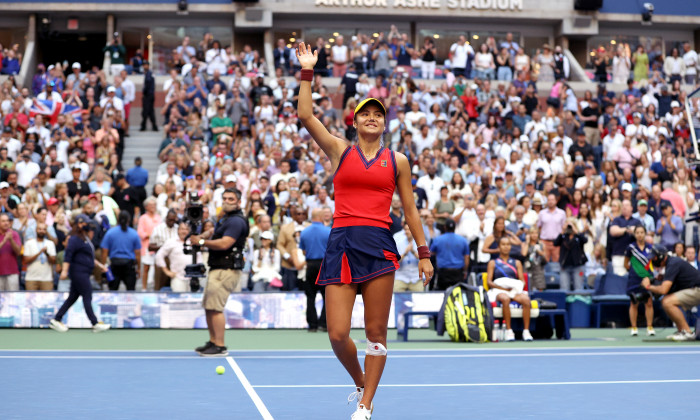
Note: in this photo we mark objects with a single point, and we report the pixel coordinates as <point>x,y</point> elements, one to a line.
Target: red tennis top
<point>363,190</point>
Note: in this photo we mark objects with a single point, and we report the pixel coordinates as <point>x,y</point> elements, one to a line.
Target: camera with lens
<point>639,297</point>
<point>194,213</point>
<point>569,230</point>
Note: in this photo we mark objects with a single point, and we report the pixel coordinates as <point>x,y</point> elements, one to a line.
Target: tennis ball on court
<point>220,370</point>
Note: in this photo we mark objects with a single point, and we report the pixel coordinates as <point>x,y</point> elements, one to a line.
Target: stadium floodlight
<point>647,13</point>
<point>692,111</point>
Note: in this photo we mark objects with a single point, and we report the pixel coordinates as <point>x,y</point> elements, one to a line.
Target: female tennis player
<point>360,248</point>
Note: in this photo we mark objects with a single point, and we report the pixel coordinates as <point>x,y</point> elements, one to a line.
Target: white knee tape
<point>375,349</point>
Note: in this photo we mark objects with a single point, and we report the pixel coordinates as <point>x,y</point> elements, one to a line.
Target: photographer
<point>117,54</point>
<point>225,264</point>
<point>572,257</point>
<point>681,287</point>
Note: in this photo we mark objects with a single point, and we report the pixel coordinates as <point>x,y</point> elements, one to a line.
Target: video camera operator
<point>681,287</point>
<point>225,264</point>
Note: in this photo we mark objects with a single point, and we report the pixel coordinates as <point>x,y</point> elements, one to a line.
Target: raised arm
<point>331,145</point>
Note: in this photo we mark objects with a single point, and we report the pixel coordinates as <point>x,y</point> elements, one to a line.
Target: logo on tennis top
<point>383,164</point>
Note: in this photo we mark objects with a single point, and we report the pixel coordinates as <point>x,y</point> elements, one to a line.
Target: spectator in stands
<point>10,63</point>
<point>674,66</point>
<point>147,223</point>
<point>506,282</point>
<point>461,55</point>
<point>122,244</point>
<point>117,54</point>
<point>572,258</point>
<point>690,59</point>
<point>621,236</point>
<point>340,55</point>
<point>669,227</point>
<point>287,244</point>
<point>406,279</point>
<point>551,223</point>
<point>452,255</point>
<point>313,241</point>
<point>266,264</point>
<point>161,234</point>
<point>10,250</point>
<point>428,55</point>
<point>39,256</point>
<point>148,98</point>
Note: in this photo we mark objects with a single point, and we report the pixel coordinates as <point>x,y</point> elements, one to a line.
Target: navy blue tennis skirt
<point>356,254</point>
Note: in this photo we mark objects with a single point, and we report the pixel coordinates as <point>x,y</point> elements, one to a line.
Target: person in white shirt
<point>42,133</point>
<point>173,250</point>
<point>406,277</point>
<point>613,140</point>
<point>415,114</point>
<point>111,100</point>
<point>339,56</point>
<point>49,94</point>
<point>423,139</point>
<point>12,144</point>
<point>561,136</point>
<point>432,184</point>
<point>459,55</point>
<point>216,59</point>
<point>26,169</point>
<point>129,95</point>
<point>674,66</point>
<point>690,58</point>
<point>39,257</point>
<point>170,175</point>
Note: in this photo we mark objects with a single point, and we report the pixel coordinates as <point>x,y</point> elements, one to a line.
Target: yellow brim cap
<point>368,101</point>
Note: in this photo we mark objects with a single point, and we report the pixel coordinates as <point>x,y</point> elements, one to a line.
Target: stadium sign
<point>427,4</point>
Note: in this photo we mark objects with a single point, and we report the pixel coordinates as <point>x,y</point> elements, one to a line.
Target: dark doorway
<point>85,48</point>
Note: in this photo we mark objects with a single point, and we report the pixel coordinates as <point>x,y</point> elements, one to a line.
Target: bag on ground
<point>466,314</point>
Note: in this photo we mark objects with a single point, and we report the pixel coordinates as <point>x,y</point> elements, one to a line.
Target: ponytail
<point>124,219</point>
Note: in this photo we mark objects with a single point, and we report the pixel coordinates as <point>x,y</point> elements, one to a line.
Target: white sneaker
<point>510,335</point>
<point>527,336</point>
<point>683,336</point>
<point>651,332</point>
<point>362,413</point>
<point>357,395</point>
<point>100,326</point>
<point>58,326</point>
<point>634,332</point>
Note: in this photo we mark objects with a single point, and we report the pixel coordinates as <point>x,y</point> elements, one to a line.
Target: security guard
<point>313,241</point>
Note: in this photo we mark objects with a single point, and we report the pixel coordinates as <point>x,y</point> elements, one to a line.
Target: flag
<point>52,110</point>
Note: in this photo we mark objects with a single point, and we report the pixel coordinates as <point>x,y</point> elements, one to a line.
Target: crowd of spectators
<point>491,155</point>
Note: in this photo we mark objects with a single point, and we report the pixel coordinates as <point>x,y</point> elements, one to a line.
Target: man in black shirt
<point>348,83</point>
<point>126,197</point>
<point>581,146</point>
<point>75,187</point>
<point>590,116</point>
<point>149,97</point>
<point>572,258</point>
<point>681,287</point>
<point>225,263</point>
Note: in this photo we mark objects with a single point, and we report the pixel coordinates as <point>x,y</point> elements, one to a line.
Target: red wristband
<point>423,252</point>
<point>307,75</point>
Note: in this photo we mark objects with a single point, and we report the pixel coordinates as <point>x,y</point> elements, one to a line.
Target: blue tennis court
<point>545,383</point>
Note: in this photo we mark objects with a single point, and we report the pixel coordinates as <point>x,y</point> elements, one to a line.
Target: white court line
<point>447,350</point>
<point>650,381</point>
<point>489,355</point>
<point>392,356</point>
<point>249,389</point>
